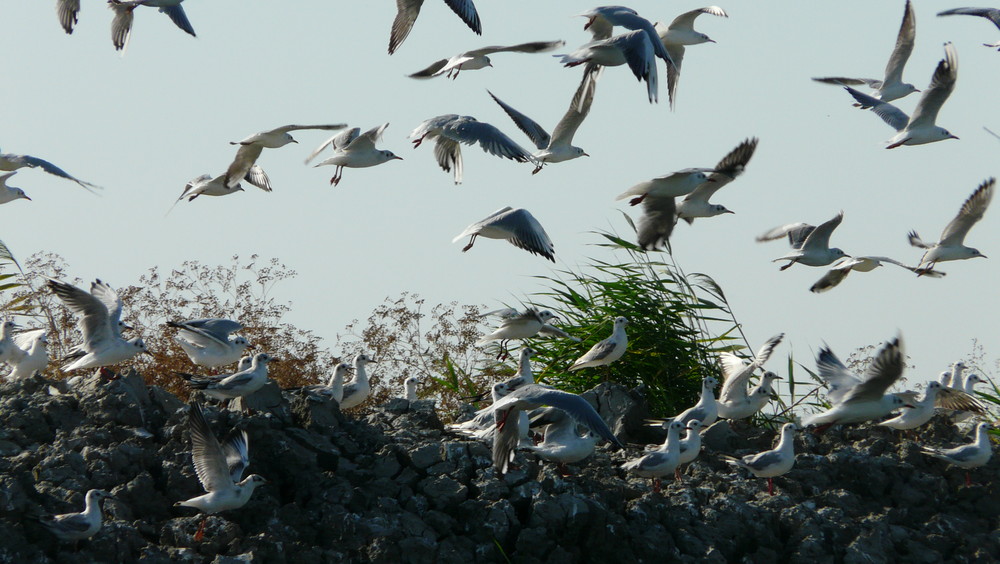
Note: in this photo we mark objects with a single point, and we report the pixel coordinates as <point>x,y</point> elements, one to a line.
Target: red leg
<point>656,485</point>
<point>201,530</point>
<point>770,486</point>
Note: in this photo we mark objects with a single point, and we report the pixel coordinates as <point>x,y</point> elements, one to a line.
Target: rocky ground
<point>393,486</point>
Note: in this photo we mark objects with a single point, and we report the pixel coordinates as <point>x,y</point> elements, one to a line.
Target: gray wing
<point>337,141</point>
<point>555,332</point>
<point>659,215</point>
<point>838,378</point>
<point>991,14</point>
<point>819,238</point>
<point>67,523</point>
<point>237,452</point>
<point>630,20</point>
<point>94,320</point>
<point>213,330</point>
<point>26,339</point>
<point>883,372</point>
<point>489,138</point>
<point>972,211</point>
<point>844,81</point>
<point>636,48</point>
<point>366,141</point>
<point>180,19</point>
<point>763,460</point>
<point>728,169</point>
<point>258,178</point>
<point>942,84</point>
<point>209,460</point>
<point>904,46</point>
<point>599,351</point>
<point>574,405</point>
<point>796,232</point>
<point>431,70</point>
<point>324,127</point>
<point>531,47</point>
<point>406,14</point>
<point>466,10</point>
<point>530,127</point>
<point>68,11</point>
<point>686,20</point>
<point>957,400</point>
<point>448,154</point>
<point>674,71</point>
<point>235,382</point>
<point>958,454</point>
<point>246,156</point>
<point>121,25</point>
<point>579,107</point>
<point>831,279</point>
<point>895,117</point>
<point>526,233</point>
<point>111,301</point>
<point>33,162</point>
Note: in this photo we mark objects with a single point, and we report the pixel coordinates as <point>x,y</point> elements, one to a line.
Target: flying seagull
<point>891,87</point>
<point>479,58</point>
<point>517,226</point>
<point>353,149</point>
<point>251,148</point>
<point>408,10</point>
<point>952,243</point>
<point>919,128</point>
<point>633,48</point>
<point>10,162</point>
<point>696,204</point>
<point>121,25</point>
<point>679,33</point>
<point>810,244</point>
<point>991,14</point>
<point>451,130</point>
<point>841,269</point>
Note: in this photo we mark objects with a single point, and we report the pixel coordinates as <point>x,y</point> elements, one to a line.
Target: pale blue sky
<point>145,124</point>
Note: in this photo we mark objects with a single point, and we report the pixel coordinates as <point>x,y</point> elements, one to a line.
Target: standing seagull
<point>854,399</point>
<point>991,14</point>
<point>660,462</point>
<point>251,148</point>
<point>10,161</point>
<point>100,323</point>
<point>10,193</point>
<point>353,149</point>
<point>771,463</point>
<point>451,130</point>
<point>679,33</point>
<point>607,351</point>
<point>952,243</point>
<point>121,26</point>
<point>237,385</point>
<point>810,244</point>
<point>891,87</point>
<point>30,355</point>
<point>408,10</point>
<point>78,526</point>
<point>840,271</point>
<point>517,226</point>
<point>559,146</point>
<point>479,59</point>
<point>219,468</point>
<point>357,390</point>
<point>207,342</point>
<point>920,128</point>
<point>968,456</point>
<point>696,204</point>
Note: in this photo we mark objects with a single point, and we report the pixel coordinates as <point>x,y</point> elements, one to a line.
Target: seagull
<point>918,129</point>
<point>856,399</point>
<point>356,391</point>
<point>408,10</point>
<point>68,11</point>
<point>991,14</point>
<point>561,442</point>
<point>528,397</point>
<point>451,130</point>
<point>353,149</point>
<point>707,408</point>
<point>891,87</point>
<point>662,461</point>
<point>30,354</point>
<point>220,468</point>
<point>251,148</point>
<point>205,185</point>
<point>410,388</point>
<point>729,168</point>
<point>547,330</point>
<point>679,33</point>
<point>771,463</point>
<point>952,243</point>
<point>559,146</point>
<point>841,269</point>
<point>100,323</point>
<point>10,193</point>
<point>517,226</point>
<point>679,183</point>
<point>602,20</point>
<point>633,48</point>
<point>935,395</point>
<point>7,344</point>
<point>484,419</point>
<point>517,325</point>
<point>690,446</point>
<point>78,526</point>
<point>607,351</point>
<point>121,26</point>
<point>207,342</point>
<point>955,375</point>
<point>236,385</point>
<point>478,58</point>
<point>810,244</point>
<point>10,162</point>
<point>968,456</point>
<point>334,387</point>
<point>736,401</point>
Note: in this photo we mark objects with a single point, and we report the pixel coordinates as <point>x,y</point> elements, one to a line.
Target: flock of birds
<point>524,411</point>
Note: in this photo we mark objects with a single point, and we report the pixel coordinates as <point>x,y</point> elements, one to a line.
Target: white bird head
<point>362,359</point>
<point>139,346</point>
<point>974,379</point>
<point>709,383</point>
<point>694,425</point>
<point>263,358</point>
<point>838,253</point>
<point>389,155</point>
<point>252,481</point>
